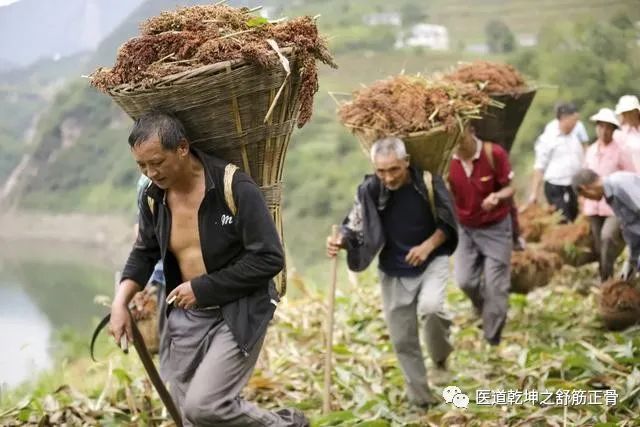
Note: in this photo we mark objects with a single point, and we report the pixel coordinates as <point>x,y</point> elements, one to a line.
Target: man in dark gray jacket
<point>407,216</point>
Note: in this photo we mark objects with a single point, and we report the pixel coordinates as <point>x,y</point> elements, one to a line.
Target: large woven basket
<point>500,125</point>
<point>223,107</point>
<point>428,150</point>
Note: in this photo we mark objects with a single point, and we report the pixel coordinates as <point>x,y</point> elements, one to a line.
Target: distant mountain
<point>37,29</point>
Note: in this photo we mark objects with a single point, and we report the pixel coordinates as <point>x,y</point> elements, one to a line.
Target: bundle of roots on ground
<point>404,104</point>
<point>537,220</point>
<point>534,267</point>
<point>491,77</point>
<point>573,242</point>
<point>191,37</point>
<point>619,304</point>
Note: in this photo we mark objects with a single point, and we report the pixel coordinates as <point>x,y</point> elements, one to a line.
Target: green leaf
<point>257,21</point>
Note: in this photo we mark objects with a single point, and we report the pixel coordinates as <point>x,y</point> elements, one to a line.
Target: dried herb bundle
<point>532,268</point>
<point>572,242</point>
<point>491,77</point>
<point>404,104</point>
<point>191,37</point>
<point>537,220</point>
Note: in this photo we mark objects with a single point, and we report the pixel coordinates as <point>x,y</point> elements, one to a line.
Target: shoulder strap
<point>488,151</point>
<point>229,171</point>
<point>428,182</point>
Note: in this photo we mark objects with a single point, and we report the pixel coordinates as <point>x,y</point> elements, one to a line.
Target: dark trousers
<point>563,198</point>
<point>607,239</point>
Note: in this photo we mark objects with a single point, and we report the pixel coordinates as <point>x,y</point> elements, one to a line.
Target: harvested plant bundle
<point>191,37</point>
<point>619,304</point>
<point>402,105</point>
<point>532,268</point>
<point>537,220</point>
<point>490,77</point>
<point>572,242</point>
<point>144,310</point>
<point>506,86</point>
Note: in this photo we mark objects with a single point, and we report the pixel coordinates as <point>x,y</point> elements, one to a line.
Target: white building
<point>384,18</point>
<point>435,37</point>
<point>527,40</point>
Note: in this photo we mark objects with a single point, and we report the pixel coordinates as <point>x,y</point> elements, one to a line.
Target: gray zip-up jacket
<point>622,192</point>
<point>362,228</point>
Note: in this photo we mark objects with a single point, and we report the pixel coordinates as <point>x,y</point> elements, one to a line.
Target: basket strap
<point>428,182</point>
<point>488,150</point>
<point>229,171</point>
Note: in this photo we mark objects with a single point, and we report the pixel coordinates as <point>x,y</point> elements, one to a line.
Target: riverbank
<point>104,239</point>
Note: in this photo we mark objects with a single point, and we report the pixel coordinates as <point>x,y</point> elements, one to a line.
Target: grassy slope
<point>553,341</point>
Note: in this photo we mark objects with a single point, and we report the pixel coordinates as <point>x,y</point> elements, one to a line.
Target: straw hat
<point>605,115</point>
<point>627,103</point>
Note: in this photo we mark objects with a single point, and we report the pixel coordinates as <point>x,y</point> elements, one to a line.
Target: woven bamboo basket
<point>428,150</point>
<point>500,125</point>
<point>237,111</point>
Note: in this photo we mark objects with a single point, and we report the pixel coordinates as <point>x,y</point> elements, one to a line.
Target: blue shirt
<point>622,192</point>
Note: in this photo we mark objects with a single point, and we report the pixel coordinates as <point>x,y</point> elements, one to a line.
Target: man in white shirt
<point>559,155</point>
<point>579,131</point>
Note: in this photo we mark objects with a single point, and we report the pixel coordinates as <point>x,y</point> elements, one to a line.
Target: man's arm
<point>262,260</point>
<point>138,268</point>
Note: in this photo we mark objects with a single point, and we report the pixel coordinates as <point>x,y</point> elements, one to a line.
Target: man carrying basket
<point>480,180</point>
<point>219,263</point>
<point>406,215</point>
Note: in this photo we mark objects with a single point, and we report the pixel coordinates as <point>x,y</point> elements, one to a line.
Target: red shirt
<point>470,190</point>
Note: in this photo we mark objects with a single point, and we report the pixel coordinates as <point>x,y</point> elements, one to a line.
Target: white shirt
<point>578,130</point>
<point>559,157</point>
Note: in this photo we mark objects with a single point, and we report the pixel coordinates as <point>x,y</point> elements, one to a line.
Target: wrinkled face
<point>604,131</point>
<point>392,171</point>
<point>568,122</point>
<point>161,165</point>
<point>592,191</point>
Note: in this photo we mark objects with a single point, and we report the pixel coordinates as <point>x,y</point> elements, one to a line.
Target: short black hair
<point>583,177</point>
<point>166,126</point>
<point>565,109</point>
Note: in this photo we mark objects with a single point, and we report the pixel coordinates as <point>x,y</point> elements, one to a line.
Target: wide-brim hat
<point>605,115</point>
<point>627,103</point>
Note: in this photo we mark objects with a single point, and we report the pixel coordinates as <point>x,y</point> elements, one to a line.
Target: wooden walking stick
<point>326,396</point>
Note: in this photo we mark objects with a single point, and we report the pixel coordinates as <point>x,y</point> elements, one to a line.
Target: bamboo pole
<point>326,395</point>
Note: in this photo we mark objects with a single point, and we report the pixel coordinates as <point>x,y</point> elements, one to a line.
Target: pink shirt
<point>604,160</point>
<point>630,138</point>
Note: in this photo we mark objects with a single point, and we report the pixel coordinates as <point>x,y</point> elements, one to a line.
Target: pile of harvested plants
<point>537,221</point>
<point>573,242</point>
<point>532,268</point>
<point>403,104</point>
<point>490,77</point>
<point>619,304</point>
<point>191,37</point>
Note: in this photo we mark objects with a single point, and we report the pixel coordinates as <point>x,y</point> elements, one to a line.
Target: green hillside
<point>589,61</point>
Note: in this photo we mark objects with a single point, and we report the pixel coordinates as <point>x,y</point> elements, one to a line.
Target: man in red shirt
<point>480,178</point>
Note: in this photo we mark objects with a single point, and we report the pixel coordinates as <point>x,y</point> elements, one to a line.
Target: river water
<point>46,294</point>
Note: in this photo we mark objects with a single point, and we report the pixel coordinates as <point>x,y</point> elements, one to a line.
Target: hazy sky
<point>6,2</point>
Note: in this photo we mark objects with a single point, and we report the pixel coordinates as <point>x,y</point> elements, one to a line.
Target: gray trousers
<point>483,271</point>
<point>404,300</point>
<point>206,372</point>
<point>607,241</point>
